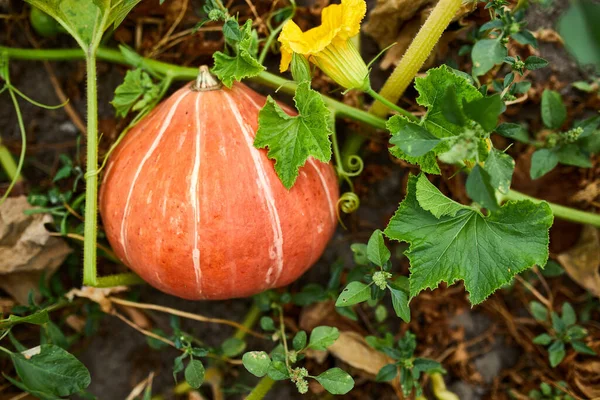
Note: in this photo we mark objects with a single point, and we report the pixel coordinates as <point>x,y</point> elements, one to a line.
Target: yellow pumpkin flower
<point>329,45</point>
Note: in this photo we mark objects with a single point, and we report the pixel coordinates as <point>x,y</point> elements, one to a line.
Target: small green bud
<point>380,279</point>
<point>292,356</point>
<point>519,65</point>
<point>300,68</point>
<point>572,135</point>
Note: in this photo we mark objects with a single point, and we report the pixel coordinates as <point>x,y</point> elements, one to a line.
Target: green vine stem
<point>417,53</point>
<point>125,279</point>
<point>185,73</point>
<point>562,212</point>
<point>8,164</point>
<point>17,171</point>
<point>391,105</point>
<point>261,389</point>
<point>270,80</point>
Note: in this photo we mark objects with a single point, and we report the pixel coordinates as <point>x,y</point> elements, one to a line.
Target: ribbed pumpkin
<point>190,205</point>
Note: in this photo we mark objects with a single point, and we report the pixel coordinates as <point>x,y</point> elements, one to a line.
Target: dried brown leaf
<point>587,378</point>
<point>583,260</point>
<point>353,349</point>
<point>26,248</point>
<point>97,295</point>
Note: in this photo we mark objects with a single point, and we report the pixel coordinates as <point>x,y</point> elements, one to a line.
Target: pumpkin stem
<point>205,81</point>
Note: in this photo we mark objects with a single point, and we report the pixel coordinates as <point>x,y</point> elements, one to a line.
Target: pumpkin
<point>191,206</point>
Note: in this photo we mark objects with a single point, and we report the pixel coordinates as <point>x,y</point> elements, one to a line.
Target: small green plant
<point>280,363</point>
<point>374,268</point>
<point>408,367</point>
<point>547,392</point>
<point>562,330</point>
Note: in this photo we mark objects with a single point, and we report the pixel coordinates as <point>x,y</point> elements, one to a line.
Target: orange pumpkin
<point>190,205</point>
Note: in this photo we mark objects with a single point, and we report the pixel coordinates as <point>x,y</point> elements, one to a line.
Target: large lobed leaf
<point>486,252</point>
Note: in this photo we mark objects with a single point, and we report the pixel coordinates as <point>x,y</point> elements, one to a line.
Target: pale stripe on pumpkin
<point>194,195</point>
<point>264,187</point>
<point>147,156</point>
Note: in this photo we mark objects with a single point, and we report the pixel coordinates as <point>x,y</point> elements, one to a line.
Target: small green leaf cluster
<point>239,59</point>
<point>571,147</point>
<point>547,392</point>
<point>60,203</point>
<point>138,92</point>
<point>374,269</point>
<point>406,365</point>
<point>280,363</point>
<point>491,38</point>
<point>194,371</point>
<point>562,330</point>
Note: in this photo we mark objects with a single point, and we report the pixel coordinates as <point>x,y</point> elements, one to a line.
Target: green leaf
<point>377,252</point>
<point>37,318</point>
<point>432,200</point>
<point>426,365</point>
<point>278,371</point>
<point>194,373</point>
<point>135,93</point>
<point>242,65</point>
<point>387,373</point>
<point>479,188</point>
<point>544,339</point>
<point>572,154</point>
<point>557,323</point>
<point>76,16</point>
<point>233,346</point>
<point>500,167</point>
<point>485,252</point>
<point>580,31</point>
<point>554,112</point>
<point>431,90</point>
<point>533,63</point>
<point>568,314</point>
<point>52,371</point>
<point>178,365</point>
<point>291,140</point>
<point>412,139</point>
<point>451,108</point>
<point>485,111</point>
<point>582,348</point>
<point>525,38</point>
<point>513,131</point>
<point>267,324</point>
<point>119,10</point>
<point>539,311</point>
<point>336,381</point>
<point>354,293</point>
<point>256,362</point>
<point>299,341</point>
<point>322,337</point>
<point>485,54</point>
<point>542,162</point>
<point>400,298</point>
<point>556,353</point>
<point>427,162</point>
<point>231,30</point>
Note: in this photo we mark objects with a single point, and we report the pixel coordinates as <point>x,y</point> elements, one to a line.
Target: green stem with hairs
<point>417,53</point>
<point>125,279</point>
<point>562,212</point>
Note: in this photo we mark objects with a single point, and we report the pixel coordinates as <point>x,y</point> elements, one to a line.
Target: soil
<point>119,357</point>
